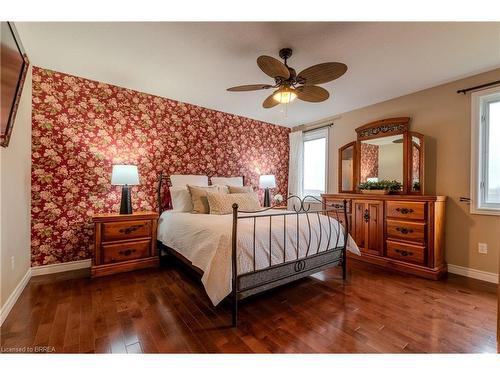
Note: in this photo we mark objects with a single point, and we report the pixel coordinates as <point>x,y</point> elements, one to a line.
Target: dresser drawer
<point>406,252</point>
<point>338,203</point>
<point>126,229</point>
<point>406,210</point>
<point>119,252</point>
<point>406,230</point>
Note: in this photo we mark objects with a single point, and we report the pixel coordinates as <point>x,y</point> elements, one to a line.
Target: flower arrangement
<point>384,185</point>
<point>278,198</point>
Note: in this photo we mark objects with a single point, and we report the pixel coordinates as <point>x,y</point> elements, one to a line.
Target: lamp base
<point>126,202</point>
<point>267,198</point>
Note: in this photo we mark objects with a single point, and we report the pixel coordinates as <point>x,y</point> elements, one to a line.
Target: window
<point>315,162</point>
<point>485,160</point>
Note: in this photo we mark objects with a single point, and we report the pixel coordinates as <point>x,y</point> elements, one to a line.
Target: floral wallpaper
<point>80,128</point>
<point>369,161</point>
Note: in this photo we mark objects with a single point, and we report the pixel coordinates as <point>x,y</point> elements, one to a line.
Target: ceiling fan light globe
<point>285,96</point>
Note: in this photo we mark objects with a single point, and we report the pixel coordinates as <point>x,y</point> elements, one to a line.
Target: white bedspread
<point>205,240</point>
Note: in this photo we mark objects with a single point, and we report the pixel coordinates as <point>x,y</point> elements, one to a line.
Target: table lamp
<point>267,181</point>
<point>125,175</point>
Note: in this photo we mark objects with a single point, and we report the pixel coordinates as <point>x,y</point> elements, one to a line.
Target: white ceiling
<point>196,62</point>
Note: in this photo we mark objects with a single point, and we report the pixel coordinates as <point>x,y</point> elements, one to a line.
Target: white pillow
<point>188,179</point>
<point>231,181</point>
<point>181,199</point>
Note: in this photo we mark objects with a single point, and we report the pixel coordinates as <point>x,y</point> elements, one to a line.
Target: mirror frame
<point>383,128</point>
<point>354,167</point>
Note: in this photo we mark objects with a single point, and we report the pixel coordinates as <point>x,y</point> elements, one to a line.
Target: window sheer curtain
<point>295,166</point>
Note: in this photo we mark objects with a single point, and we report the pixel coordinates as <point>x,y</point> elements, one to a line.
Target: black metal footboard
<point>330,250</point>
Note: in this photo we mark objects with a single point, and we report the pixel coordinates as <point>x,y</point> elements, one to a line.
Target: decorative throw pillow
<point>199,197</point>
<point>240,189</point>
<point>222,204</point>
<point>181,199</point>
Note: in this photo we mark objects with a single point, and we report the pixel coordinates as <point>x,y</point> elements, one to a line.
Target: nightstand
<point>124,242</point>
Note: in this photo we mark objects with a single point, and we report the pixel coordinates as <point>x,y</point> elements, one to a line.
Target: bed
<point>245,253</point>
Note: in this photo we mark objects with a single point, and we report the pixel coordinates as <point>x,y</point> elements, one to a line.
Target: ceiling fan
<point>291,85</point>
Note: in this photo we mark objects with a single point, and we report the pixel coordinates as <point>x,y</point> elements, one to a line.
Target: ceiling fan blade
<point>270,102</point>
<point>273,67</point>
<point>313,94</point>
<point>322,73</point>
<point>249,87</point>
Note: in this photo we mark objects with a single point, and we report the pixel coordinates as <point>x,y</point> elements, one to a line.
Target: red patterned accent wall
<point>82,127</point>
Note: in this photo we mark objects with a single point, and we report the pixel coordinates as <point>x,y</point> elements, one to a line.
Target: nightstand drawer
<point>126,229</point>
<point>126,251</point>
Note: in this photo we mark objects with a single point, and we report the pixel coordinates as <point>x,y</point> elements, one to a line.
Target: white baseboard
<point>11,301</point>
<point>60,267</point>
<point>473,273</point>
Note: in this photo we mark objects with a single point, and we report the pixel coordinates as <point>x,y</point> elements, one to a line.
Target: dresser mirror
<point>382,159</point>
<point>384,150</point>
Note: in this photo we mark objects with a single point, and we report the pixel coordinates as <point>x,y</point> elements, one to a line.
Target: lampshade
<point>285,95</point>
<point>124,175</point>
<point>267,181</point>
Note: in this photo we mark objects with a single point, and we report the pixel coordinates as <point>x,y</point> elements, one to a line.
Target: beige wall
<point>443,117</point>
<point>390,165</point>
<point>15,198</point>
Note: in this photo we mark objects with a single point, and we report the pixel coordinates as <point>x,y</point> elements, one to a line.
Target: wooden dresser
<point>401,232</point>
<point>124,242</point>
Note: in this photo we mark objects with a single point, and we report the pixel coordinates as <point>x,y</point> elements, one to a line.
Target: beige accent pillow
<point>240,189</point>
<point>199,197</point>
<point>222,204</point>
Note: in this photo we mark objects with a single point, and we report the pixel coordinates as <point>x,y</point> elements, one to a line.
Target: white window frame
<point>310,136</point>
<point>479,151</point>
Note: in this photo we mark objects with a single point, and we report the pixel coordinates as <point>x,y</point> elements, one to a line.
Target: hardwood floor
<point>166,310</point>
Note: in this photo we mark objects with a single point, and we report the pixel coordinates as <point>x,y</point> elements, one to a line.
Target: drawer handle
<point>404,230</point>
<point>131,229</point>
<point>405,210</point>
<point>126,252</point>
<point>403,252</point>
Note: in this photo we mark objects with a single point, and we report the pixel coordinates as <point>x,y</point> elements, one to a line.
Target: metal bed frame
<point>259,280</point>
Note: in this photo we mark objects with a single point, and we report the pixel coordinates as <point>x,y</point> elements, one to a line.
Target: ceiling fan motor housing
<point>285,53</point>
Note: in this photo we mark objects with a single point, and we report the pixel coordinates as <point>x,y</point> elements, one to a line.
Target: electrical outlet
<point>482,248</point>
<point>12,262</point>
